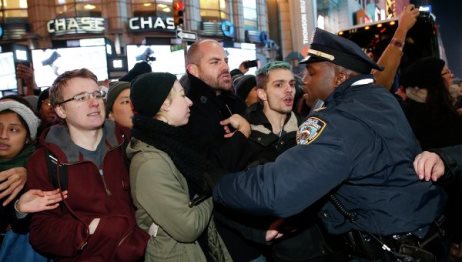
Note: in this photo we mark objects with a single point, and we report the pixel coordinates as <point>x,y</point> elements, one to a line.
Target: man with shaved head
<point>213,101</point>
<point>211,91</point>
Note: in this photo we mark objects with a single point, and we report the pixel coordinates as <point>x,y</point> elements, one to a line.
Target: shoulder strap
<point>57,173</point>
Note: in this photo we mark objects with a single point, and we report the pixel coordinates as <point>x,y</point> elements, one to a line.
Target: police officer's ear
<point>340,77</point>
<point>261,94</point>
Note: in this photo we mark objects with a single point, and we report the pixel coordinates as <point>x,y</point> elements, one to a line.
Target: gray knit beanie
<point>115,88</point>
<point>26,114</point>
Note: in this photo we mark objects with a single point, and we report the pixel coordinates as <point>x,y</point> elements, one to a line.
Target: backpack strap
<point>54,170</point>
<point>57,174</point>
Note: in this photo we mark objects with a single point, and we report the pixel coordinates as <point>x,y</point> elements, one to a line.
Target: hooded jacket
<point>93,193</point>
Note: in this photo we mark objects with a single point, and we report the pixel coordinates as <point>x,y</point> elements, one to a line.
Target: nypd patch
<point>310,130</point>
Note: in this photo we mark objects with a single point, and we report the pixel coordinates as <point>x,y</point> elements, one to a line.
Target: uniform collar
<point>354,81</point>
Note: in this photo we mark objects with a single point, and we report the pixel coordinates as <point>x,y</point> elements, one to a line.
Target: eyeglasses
<point>46,102</point>
<point>82,97</point>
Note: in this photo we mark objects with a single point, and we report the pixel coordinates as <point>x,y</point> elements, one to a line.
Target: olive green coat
<point>160,194</point>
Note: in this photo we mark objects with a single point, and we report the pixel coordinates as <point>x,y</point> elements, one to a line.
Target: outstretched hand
<point>36,200</point>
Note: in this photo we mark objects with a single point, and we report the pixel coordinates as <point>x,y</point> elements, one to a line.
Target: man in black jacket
<point>211,91</point>
<point>213,100</point>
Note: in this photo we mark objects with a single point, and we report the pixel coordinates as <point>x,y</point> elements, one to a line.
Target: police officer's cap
<point>340,51</point>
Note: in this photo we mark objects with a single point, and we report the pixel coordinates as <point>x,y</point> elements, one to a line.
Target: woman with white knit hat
<point>18,130</point>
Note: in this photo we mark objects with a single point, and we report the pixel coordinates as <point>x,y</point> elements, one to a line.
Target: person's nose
<point>93,100</point>
<point>3,133</point>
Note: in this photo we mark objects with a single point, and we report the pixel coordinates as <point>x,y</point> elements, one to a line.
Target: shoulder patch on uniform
<point>310,130</point>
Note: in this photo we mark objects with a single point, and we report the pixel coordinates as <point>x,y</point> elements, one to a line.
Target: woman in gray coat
<point>168,181</point>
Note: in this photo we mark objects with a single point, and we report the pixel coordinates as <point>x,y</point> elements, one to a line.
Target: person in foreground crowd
<point>210,90</point>
<point>18,129</point>
<point>86,157</point>
<point>168,180</point>
<point>274,128</point>
<point>355,155</point>
<point>429,107</point>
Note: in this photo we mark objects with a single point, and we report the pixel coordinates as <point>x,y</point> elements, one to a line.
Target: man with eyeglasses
<point>97,220</point>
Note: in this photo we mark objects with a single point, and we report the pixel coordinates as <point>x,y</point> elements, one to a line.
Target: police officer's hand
<point>408,18</point>
<point>237,122</point>
<point>428,166</point>
<point>11,182</point>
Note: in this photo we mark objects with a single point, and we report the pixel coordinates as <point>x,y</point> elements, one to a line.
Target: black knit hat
<point>138,69</point>
<point>340,51</point>
<point>115,88</point>
<point>424,73</point>
<point>149,91</point>
<point>243,85</point>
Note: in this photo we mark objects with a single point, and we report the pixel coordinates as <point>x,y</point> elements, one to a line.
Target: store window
<point>78,8</point>
<point>152,8</point>
<point>250,15</point>
<point>214,11</point>
<point>13,10</point>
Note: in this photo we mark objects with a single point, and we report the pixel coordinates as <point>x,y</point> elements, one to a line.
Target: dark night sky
<point>449,17</point>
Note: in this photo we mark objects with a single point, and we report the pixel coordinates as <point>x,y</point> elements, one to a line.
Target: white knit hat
<point>26,113</point>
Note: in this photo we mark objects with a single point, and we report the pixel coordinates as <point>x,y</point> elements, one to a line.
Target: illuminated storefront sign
<point>76,25</point>
<point>151,22</point>
<point>227,28</point>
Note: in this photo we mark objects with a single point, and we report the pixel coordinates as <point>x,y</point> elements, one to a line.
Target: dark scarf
<point>175,142</point>
<point>19,160</point>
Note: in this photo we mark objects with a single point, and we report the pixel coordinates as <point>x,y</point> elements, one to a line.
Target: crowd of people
<point>226,166</point>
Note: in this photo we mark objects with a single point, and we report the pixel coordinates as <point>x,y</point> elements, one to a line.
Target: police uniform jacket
<point>360,148</point>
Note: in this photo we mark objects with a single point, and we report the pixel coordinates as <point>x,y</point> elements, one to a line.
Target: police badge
<point>310,130</point>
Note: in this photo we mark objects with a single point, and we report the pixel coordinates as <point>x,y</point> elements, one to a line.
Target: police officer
<point>355,154</point>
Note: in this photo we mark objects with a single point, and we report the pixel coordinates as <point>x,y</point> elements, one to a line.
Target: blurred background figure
<point>429,106</point>
<point>119,105</point>
<point>294,58</point>
<point>26,80</point>
<point>138,69</point>
<point>45,111</point>
<point>245,88</point>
